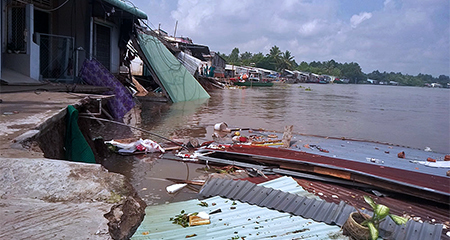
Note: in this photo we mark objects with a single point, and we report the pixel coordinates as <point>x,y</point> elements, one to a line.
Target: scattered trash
<point>447,158</point>
<point>428,149</point>
<point>239,138</point>
<point>401,155</point>
<point>437,164</point>
<point>377,193</point>
<point>181,219</point>
<point>375,160</point>
<point>431,160</point>
<point>221,127</point>
<point>197,220</point>
<point>175,187</point>
<point>140,146</point>
<point>317,147</point>
<point>203,215</point>
<point>193,219</point>
<point>215,211</point>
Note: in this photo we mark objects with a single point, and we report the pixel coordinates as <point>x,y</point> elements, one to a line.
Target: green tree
<point>234,56</point>
<point>442,79</point>
<point>275,57</point>
<point>304,67</point>
<point>246,58</point>
<point>286,61</point>
<point>353,72</point>
<point>262,61</point>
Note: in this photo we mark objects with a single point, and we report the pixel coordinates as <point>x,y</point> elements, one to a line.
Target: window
<point>102,45</point>
<point>16,30</point>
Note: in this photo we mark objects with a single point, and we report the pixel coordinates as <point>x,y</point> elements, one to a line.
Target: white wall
<point>2,34</point>
<point>32,48</point>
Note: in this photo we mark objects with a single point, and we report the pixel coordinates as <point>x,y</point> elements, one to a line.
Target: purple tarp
<point>94,73</point>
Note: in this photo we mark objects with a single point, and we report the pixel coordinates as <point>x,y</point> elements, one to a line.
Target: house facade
<point>50,39</point>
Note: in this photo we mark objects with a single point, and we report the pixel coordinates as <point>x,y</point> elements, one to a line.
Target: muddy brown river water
<point>407,116</point>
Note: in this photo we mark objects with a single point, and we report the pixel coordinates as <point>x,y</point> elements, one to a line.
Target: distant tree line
<point>277,60</point>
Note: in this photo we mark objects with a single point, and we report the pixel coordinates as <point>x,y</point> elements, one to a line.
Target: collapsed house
<point>58,40</point>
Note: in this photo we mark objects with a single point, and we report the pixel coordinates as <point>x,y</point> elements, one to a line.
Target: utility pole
<point>175,32</point>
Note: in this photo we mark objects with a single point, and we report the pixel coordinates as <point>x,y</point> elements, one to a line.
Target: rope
<point>140,129</point>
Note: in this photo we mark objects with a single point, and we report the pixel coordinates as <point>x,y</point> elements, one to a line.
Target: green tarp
<point>175,79</point>
<point>77,148</point>
<point>128,8</point>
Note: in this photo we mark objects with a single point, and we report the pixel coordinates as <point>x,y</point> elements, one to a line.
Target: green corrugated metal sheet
<point>179,84</point>
<point>235,221</point>
<point>128,8</point>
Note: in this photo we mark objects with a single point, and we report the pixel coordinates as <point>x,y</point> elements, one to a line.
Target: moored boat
<point>254,82</point>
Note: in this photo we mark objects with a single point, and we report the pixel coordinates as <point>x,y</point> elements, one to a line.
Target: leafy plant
<point>380,212</point>
<point>182,219</point>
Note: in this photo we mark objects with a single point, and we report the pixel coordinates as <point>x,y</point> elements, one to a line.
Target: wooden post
<point>287,136</point>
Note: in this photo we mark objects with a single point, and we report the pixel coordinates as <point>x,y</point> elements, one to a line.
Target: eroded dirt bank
<point>42,198</point>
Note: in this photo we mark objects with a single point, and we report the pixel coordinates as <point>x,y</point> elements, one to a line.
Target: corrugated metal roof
<point>421,210</point>
<point>425,210</point>
<point>128,8</point>
<point>380,176</point>
<point>173,77</point>
<point>240,219</point>
<point>265,196</point>
<point>236,219</point>
<point>315,209</point>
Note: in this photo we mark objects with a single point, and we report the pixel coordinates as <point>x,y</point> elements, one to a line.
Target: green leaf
<point>381,211</point>
<point>398,220</point>
<point>373,231</point>
<point>370,201</point>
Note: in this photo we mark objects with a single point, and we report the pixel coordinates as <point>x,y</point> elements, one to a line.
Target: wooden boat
<point>254,82</point>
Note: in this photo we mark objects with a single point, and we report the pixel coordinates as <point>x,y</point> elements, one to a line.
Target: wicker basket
<point>354,229</point>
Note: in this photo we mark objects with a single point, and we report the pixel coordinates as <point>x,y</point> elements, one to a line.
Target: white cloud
<point>400,36</point>
<point>355,20</point>
<point>308,28</point>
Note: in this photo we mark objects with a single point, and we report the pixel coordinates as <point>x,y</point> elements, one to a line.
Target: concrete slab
<point>54,199</point>
<point>25,111</point>
<point>12,77</point>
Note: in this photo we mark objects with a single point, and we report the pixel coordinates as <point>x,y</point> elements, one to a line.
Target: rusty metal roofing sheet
<point>315,209</point>
<point>404,181</point>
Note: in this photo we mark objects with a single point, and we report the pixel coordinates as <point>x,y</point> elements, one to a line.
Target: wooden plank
<point>333,172</point>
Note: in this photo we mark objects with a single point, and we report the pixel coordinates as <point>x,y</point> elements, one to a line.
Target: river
<point>407,116</point>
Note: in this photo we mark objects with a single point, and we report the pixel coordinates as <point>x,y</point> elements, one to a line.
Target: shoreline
<point>42,196</point>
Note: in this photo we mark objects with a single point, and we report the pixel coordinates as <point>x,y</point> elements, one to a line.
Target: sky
<point>407,36</point>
